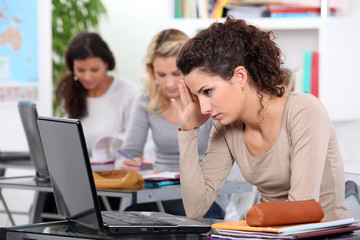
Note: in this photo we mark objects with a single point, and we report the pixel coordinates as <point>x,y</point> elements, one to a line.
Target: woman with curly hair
<point>153,111</point>
<point>102,102</point>
<point>285,145</point>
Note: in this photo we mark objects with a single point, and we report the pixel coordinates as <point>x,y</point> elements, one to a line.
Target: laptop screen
<point>28,115</point>
<point>66,153</point>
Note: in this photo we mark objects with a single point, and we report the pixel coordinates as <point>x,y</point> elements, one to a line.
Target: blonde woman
<point>153,111</point>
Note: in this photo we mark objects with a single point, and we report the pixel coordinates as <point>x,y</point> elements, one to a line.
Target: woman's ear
<point>240,76</point>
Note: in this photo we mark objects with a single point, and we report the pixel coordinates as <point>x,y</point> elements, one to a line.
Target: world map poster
<point>18,50</point>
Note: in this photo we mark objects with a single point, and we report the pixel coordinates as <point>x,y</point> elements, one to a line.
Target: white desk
<point>135,196</point>
<point>23,164</point>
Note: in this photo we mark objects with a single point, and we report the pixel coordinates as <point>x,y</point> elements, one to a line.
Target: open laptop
<point>74,188</point>
<point>28,115</point>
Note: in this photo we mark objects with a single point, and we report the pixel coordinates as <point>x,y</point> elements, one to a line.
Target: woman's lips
<point>172,90</point>
<point>216,116</point>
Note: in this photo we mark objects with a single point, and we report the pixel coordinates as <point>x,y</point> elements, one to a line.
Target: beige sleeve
<point>309,132</point>
<point>201,184</point>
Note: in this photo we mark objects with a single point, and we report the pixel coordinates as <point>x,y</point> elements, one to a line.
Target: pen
<point>126,156</point>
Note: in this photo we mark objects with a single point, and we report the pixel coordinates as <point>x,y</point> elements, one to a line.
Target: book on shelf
<point>246,9</point>
<point>203,8</point>
<point>199,8</point>
<point>314,86</point>
<point>178,9</point>
<point>218,10</point>
<point>297,12</point>
<point>310,73</point>
<point>306,84</point>
<point>239,229</point>
<point>185,9</point>
<point>296,9</point>
<point>274,9</point>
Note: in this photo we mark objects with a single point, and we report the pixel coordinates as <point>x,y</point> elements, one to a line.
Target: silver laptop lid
<point>28,114</point>
<point>70,171</point>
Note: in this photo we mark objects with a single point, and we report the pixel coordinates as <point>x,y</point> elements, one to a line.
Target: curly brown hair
<point>71,93</point>
<point>222,47</point>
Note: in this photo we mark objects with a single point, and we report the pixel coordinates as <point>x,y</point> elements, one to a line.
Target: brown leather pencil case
<point>283,213</point>
<point>118,179</point>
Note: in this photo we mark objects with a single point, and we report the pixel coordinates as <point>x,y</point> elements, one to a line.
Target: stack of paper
<point>240,230</point>
<point>161,179</point>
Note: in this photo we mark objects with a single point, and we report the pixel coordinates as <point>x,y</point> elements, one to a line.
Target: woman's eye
<point>176,74</point>
<point>161,75</point>
<point>207,92</point>
<point>94,70</point>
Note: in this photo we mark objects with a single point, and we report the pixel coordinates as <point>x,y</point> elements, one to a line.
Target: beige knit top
<point>304,163</point>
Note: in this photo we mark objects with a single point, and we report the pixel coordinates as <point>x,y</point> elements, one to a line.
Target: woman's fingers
<point>176,106</point>
<point>183,98</point>
<point>131,164</point>
<point>129,168</point>
<point>187,91</point>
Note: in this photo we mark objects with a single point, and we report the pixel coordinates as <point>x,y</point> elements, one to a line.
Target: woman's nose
<point>87,75</point>
<point>205,107</point>
<point>172,81</point>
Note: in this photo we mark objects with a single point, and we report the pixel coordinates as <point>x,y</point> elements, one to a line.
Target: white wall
<point>348,133</point>
<point>12,135</point>
<point>128,29</point>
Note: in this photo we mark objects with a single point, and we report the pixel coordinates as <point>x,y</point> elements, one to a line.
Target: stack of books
<point>274,9</point>
<point>298,10</point>
<point>161,179</point>
<point>240,230</point>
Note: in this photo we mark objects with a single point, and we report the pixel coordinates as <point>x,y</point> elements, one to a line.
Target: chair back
<point>352,198</point>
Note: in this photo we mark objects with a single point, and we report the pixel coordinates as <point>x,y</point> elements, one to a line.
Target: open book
<point>104,151</point>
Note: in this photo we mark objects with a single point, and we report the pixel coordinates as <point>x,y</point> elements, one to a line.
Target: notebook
<point>28,114</point>
<point>74,188</point>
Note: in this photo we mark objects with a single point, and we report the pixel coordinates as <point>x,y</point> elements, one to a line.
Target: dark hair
<point>219,49</point>
<point>73,94</point>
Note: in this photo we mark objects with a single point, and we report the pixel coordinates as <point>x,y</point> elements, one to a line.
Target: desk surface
<point>65,230</point>
<point>138,196</point>
<point>24,164</point>
<point>72,231</point>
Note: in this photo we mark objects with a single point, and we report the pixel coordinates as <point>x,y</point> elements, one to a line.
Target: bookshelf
<point>336,40</point>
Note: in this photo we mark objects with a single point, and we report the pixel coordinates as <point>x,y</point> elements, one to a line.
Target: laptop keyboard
<point>134,218</point>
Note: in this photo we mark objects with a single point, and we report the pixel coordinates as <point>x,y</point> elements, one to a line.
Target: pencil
<point>124,154</point>
<point>127,156</point>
